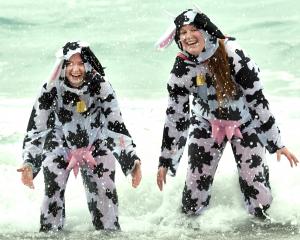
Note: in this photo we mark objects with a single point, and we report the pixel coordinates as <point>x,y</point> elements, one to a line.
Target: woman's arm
<point>247,75</point>
<point>176,122</point>
<point>42,119</point>
<point>115,133</point>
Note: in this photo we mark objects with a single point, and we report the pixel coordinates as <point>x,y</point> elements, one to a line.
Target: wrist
<point>28,165</point>
<point>137,163</point>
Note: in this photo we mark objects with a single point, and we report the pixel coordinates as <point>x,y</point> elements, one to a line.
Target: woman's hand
<point>27,176</point>
<point>291,157</point>
<point>136,174</point>
<point>161,177</point>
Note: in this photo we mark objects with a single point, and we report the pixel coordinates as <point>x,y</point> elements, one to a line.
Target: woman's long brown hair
<point>219,66</point>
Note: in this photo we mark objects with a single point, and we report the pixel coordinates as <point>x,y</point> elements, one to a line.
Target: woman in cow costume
<point>76,124</point>
<point>226,104</point>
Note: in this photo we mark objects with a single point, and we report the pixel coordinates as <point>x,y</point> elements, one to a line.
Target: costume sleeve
<point>115,134</point>
<point>176,123</point>
<point>247,74</point>
<point>41,121</point>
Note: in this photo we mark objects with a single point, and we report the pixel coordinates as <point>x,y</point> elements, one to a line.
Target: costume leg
<point>101,192</point>
<point>55,178</point>
<point>253,173</point>
<point>203,158</point>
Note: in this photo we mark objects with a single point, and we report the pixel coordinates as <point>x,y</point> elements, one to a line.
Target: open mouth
<point>192,43</point>
<point>77,77</point>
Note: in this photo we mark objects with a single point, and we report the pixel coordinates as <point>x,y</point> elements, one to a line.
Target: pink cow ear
<point>167,38</point>
<point>56,70</point>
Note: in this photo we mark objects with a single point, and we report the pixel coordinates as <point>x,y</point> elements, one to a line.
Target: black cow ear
<point>93,60</point>
<point>203,22</point>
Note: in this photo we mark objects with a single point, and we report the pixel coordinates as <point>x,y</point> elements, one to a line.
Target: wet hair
<point>218,65</point>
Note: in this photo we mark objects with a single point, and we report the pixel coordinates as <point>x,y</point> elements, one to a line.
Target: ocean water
<point>122,33</point>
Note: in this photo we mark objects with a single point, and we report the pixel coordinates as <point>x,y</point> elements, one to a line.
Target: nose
<point>188,34</point>
<point>75,68</point>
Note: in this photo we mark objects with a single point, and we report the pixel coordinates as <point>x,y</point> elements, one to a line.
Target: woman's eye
<point>71,64</point>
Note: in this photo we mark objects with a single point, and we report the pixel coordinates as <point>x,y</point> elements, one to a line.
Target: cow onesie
<point>194,112</point>
<point>82,126</point>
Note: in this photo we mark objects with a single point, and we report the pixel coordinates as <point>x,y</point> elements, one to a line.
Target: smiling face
<point>75,70</point>
<point>191,39</point>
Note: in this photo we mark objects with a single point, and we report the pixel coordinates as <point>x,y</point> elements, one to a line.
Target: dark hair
<point>219,66</point>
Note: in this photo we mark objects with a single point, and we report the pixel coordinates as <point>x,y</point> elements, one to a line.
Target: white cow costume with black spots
<point>193,109</point>
<point>57,129</point>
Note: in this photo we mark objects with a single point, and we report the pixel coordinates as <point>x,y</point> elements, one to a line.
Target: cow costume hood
<point>210,32</point>
<point>91,63</point>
